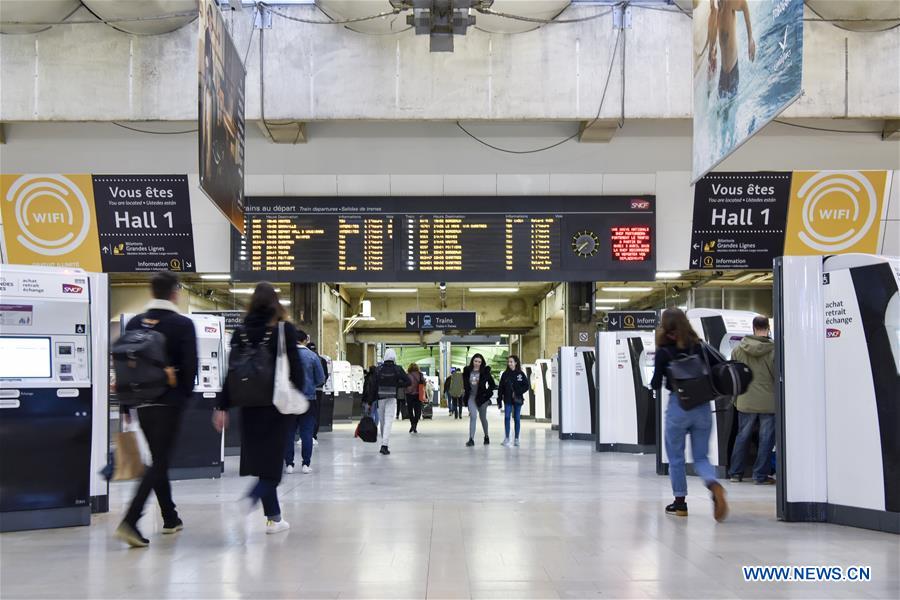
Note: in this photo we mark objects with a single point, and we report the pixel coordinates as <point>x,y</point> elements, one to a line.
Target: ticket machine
<point>326,397</point>
<point>542,384</point>
<point>357,381</point>
<point>577,393</point>
<point>626,410</point>
<point>341,385</point>
<point>723,330</point>
<point>199,451</point>
<point>54,397</point>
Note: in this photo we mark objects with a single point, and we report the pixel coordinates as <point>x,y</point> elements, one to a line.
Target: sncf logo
<point>209,329</point>
<point>832,333</point>
<point>640,204</point>
<point>71,288</point>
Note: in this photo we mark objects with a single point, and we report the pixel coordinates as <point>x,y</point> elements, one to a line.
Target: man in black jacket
<point>161,418</point>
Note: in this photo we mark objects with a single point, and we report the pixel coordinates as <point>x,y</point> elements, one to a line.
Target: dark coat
<point>181,349</point>
<point>513,384</point>
<point>486,385</point>
<point>264,430</point>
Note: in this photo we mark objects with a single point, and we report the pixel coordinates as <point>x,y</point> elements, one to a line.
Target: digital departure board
<point>447,238</point>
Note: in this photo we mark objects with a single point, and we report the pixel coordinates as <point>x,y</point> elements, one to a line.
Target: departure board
<point>451,238</point>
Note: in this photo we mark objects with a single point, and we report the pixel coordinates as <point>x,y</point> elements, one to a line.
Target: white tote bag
<point>287,398</point>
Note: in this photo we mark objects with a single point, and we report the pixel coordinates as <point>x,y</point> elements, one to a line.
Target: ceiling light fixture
<point>249,290</point>
<point>494,290</point>
<point>392,290</point>
<point>622,288</point>
<point>668,275</point>
<point>214,277</point>
<point>605,308</point>
<point>613,300</point>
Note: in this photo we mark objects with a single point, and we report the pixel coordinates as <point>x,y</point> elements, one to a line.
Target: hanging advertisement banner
<point>221,116</point>
<point>748,62</point>
<point>100,223</point>
<point>49,220</point>
<point>144,223</point>
<point>746,220</point>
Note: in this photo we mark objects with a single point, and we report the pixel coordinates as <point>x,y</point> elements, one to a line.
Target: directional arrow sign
<point>632,320</point>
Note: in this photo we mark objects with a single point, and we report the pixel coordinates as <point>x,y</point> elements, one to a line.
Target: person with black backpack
<point>685,363</point>
<point>249,385</point>
<point>156,363</point>
<point>389,383</point>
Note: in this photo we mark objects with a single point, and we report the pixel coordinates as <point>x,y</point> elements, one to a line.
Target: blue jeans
<point>306,423</point>
<point>266,490</point>
<point>516,411</point>
<point>679,423</point>
<point>762,467</point>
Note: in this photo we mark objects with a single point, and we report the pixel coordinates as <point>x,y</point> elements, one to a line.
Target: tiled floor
<point>550,519</point>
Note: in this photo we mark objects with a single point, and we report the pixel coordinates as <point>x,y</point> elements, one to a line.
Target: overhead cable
<point>488,11</point>
<point>283,15</point>
<point>612,62</point>
<point>176,15</point>
<point>780,122</point>
<point>135,129</point>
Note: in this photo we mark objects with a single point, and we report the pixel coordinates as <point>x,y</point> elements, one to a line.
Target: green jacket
<point>758,353</point>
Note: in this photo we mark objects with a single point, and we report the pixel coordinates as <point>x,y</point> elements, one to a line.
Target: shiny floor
<point>434,519</point>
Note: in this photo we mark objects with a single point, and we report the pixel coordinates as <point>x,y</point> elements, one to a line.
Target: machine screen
<point>25,357</point>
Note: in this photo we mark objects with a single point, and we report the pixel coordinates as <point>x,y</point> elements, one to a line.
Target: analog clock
<point>585,244</point>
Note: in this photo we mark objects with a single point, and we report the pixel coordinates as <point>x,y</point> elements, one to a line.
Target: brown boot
<point>720,504</point>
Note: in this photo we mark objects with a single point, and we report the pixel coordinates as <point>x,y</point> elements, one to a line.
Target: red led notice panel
<point>632,243</point>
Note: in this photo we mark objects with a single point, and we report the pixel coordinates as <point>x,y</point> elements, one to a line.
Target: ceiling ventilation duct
<point>145,9</point>
<point>861,15</point>
<point>30,11</point>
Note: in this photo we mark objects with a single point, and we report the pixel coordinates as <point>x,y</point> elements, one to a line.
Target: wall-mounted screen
<point>25,357</point>
<point>450,238</point>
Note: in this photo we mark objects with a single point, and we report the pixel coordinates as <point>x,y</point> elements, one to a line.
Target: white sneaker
<point>300,443</point>
<point>306,470</point>
<point>273,527</point>
<point>517,442</point>
<point>505,442</point>
<point>315,442</point>
<point>289,469</point>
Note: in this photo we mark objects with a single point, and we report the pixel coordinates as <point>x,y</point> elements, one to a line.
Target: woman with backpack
<point>514,385</point>
<point>249,385</point>
<point>413,400</point>
<point>676,340</point>
<point>456,389</point>
<point>479,387</point>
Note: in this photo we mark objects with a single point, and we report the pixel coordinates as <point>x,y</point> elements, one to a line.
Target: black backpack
<point>691,377</point>
<point>140,361</point>
<point>387,382</point>
<point>251,371</point>
<point>732,378</point>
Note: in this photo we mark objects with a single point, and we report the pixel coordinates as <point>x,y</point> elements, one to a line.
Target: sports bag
<point>141,364</point>
<point>285,396</point>
<point>691,377</point>
<point>367,430</point>
<point>251,372</point>
<point>732,378</point>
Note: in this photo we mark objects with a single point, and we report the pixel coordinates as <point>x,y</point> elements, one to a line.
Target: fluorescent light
<point>248,290</point>
<point>494,290</point>
<point>213,277</point>
<point>622,288</point>
<point>285,302</point>
<point>392,290</point>
<point>668,275</point>
<point>743,278</point>
<point>613,300</point>
<point>605,307</point>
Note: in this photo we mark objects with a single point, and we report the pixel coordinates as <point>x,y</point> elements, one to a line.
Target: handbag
<point>286,397</point>
<point>128,463</point>
<point>367,430</point>
<point>422,395</point>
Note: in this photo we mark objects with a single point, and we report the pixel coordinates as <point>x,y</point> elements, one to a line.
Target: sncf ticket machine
<point>199,451</point>
<point>626,409</point>
<point>577,393</point>
<point>723,330</point>
<point>54,396</point>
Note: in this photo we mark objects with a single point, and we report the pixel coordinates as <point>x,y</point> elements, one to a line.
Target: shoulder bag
<point>286,397</point>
